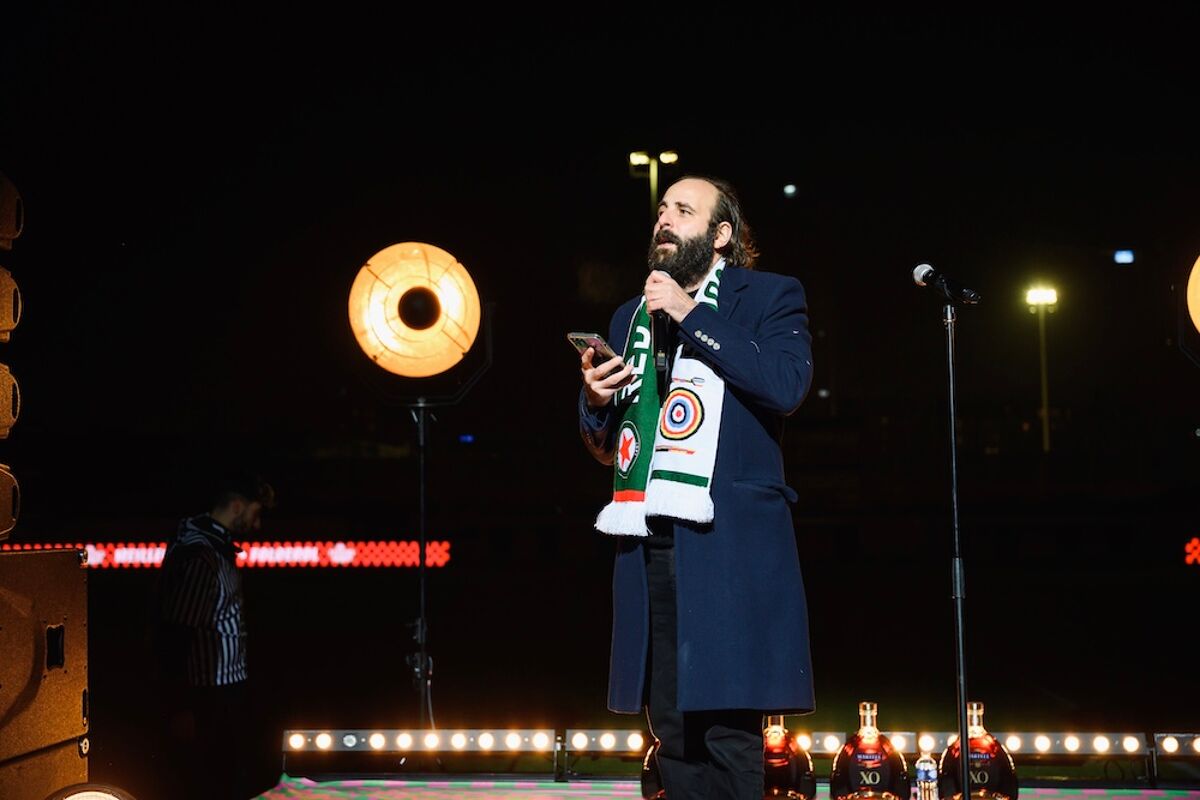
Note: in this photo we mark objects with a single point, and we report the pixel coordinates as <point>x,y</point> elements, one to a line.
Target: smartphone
<point>583,341</point>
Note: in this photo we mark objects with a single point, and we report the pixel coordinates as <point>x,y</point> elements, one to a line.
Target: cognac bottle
<point>993,775</point>
<point>868,765</point>
<point>787,768</point>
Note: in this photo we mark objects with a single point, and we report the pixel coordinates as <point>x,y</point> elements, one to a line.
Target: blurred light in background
<point>1041,296</point>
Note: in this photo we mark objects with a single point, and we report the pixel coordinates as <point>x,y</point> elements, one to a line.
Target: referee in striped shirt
<point>201,642</point>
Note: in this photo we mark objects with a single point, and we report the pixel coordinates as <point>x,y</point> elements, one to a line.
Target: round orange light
<point>414,309</point>
<point>1193,294</point>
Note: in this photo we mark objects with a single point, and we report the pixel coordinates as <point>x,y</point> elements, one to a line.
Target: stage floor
<point>451,789</point>
<point>305,789</point>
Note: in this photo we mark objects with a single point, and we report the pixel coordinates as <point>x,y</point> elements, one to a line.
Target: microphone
<point>925,275</point>
<point>658,337</point>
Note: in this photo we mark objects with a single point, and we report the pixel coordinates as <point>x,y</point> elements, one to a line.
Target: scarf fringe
<point>678,500</point>
<point>623,518</point>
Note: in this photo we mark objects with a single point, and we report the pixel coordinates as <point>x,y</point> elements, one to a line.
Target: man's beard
<point>242,523</point>
<point>691,260</point>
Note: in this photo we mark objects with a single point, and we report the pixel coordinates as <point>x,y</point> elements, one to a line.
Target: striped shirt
<point>202,625</point>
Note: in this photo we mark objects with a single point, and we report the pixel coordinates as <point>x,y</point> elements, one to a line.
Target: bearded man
<point>710,621</point>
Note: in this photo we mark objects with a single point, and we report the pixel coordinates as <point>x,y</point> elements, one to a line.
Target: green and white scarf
<point>672,479</point>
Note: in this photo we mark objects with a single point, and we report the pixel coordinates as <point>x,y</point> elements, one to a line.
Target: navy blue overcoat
<point>743,638</point>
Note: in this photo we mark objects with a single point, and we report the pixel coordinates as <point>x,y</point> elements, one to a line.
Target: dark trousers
<point>701,754</point>
<point>205,732</point>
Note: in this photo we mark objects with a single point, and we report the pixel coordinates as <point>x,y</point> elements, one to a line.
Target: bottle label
<point>869,759</point>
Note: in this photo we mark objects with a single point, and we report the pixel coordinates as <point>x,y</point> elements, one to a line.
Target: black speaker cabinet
<point>43,672</point>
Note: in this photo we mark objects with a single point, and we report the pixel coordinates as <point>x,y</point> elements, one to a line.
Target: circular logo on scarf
<point>628,446</point>
<point>682,414</point>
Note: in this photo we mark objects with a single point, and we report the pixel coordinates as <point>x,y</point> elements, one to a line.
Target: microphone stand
<point>958,577</point>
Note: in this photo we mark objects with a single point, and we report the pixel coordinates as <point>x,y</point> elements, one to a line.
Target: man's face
<point>682,244</point>
<point>246,518</point>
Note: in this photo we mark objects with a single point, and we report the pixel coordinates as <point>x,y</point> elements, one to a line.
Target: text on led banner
<point>265,554</point>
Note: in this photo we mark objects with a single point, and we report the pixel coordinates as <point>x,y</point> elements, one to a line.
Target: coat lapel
<point>733,281</point>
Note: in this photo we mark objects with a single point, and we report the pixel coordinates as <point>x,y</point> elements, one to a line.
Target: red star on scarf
<point>626,446</point>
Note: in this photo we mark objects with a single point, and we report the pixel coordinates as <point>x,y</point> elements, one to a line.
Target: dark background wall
<point>200,191</point>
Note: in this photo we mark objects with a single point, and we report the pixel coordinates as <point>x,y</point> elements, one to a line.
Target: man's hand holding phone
<point>602,380</point>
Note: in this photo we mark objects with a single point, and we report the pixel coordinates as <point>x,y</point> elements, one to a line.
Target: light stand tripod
<point>414,311</point>
<point>420,661</point>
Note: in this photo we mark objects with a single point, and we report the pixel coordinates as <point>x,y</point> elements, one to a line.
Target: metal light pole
<point>640,159</point>
<point>415,312</point>
<point>1041,300</point>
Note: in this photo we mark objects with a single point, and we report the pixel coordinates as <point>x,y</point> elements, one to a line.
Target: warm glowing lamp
<point>1193,295</point>
<point>414,309</point>
<point>415,312</point>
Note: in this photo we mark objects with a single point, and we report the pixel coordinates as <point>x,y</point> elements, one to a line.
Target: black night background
<point>201,187</point>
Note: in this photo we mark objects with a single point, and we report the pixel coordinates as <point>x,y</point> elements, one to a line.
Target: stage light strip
<point>1181,745</point>
<point>607,740</point>
<point>1033,743</point>
<point>494,740</point>
<point>1026,744</point>
<point>149,555</point>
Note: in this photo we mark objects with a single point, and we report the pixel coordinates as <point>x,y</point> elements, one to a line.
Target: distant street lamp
<point>1042,299</point>
<point>640,160</point>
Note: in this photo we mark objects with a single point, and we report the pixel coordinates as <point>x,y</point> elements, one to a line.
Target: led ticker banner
<point>1192,550</point>
<point>149,555</point>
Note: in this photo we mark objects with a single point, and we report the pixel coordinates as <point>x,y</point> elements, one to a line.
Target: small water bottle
<point>926,769</point>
